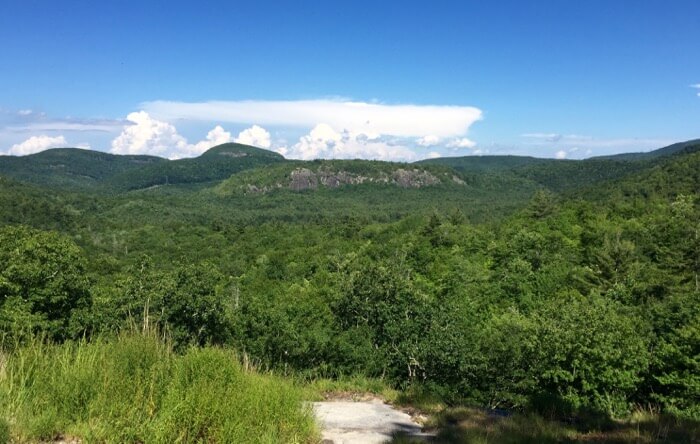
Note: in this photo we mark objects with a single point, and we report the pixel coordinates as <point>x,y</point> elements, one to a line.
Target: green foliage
<point>483,286</point>
<point>71,167</point>
<point>43,287</point>
<point>381,301</point>
<point>192,303</point>
<point>591,353</point>
<point>135,389</point>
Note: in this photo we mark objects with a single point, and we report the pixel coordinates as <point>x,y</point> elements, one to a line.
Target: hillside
<point>486,164</point>
<point>567,175</point>
<point>568,288</point>
<point>217,163</point>
<point>71,167</point>
<point>88,170</point>
<point>687,147</point>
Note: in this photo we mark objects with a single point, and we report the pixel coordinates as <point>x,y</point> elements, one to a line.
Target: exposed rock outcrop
<point>302,178</point>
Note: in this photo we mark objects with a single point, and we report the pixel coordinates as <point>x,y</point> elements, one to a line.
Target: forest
<point>567,289</point>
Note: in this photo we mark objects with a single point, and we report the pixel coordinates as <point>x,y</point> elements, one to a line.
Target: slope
<point>71,167</point>
<point>217,163</point>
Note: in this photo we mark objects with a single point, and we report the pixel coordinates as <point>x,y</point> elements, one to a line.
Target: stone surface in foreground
<point>346,422</point>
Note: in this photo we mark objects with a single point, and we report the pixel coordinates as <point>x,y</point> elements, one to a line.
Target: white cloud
<point>324,142</point>
<point>25,112</point>
<point>256,136</point>
<point>37,143</point>
<point>67,125</point>
<point>146,135</point>
<point>461,143</point>
<point>434,155</point>
<point>696,86</point>
<point>371,119</point>
<point>561,154</point>
<point>430,140</point>
<point>216,136</point>
<point>549,137</point>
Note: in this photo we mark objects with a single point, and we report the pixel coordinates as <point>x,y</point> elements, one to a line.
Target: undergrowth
<point>136,389</point>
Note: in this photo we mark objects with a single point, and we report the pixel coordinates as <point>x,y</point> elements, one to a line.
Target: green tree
<point>43,283</point>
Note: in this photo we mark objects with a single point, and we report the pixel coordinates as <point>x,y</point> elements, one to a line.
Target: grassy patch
<point>355,387</point>
<point>136,389</point>
<point>477,426</point>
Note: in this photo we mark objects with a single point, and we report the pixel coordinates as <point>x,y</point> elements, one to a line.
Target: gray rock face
<point>304,179</point>
<point>414,178</point>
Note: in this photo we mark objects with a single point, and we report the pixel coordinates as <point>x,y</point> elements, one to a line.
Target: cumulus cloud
<point>461,143</point>
<point>36,144</point>
<point>216,136</point>
<point>561,154</point>
<point>325,142</point>
<point>256,136</point>
<point>430,140</point>
<point>434,155</point>
<point>371,119</point>
<point>146,135</point>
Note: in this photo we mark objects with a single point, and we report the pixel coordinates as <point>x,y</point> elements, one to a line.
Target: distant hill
<point>664,179</point>
<point>565,175</point>
<point>218,163</point>
<point>331,174</point>
<point>91,170</point>
<point>486,164</point>
<point>690,146</point>
<point>71,167</point>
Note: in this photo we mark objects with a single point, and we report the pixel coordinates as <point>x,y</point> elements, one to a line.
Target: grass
<point>136,389</point>
<point>460,425</point>
<point>355,387</point>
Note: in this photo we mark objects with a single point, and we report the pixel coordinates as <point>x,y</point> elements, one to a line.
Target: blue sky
<point>390,80</point>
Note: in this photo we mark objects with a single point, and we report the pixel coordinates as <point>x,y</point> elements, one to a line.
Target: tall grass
<point>136,389</point>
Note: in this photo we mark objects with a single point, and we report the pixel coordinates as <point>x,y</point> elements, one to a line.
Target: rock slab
<point>370,422</point>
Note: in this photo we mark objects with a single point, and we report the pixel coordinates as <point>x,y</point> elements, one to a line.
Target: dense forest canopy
<point>561,286</point>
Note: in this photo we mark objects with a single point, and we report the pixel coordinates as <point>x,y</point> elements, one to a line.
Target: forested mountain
<point>565,287</point>
<point>71,167</point>
<point>94,170</point>
<point>217,163</point>
<point>687,147</point>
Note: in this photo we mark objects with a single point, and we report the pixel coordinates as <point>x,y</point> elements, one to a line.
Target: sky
<point>388,80</point>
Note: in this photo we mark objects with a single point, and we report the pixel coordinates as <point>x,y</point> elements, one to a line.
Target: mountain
<point>566,175</point>
<point>71,167</point>
<point>332,174</point>
<point>217,163</point>
<point>80,169</point>
<point>486,164</point>
<point>689,146</point>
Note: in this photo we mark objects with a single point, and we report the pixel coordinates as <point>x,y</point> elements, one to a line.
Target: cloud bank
<point>356,117</point>
<point>315,128</point>
<point>146,135</point>
<point>36,144</point>
<point>325,142</point>
<point>337,128</point>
